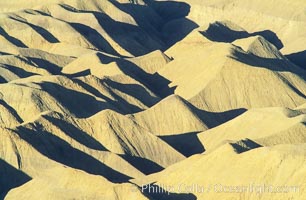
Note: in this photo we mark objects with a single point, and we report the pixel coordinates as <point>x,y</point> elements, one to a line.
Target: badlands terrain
<point>155,100</point>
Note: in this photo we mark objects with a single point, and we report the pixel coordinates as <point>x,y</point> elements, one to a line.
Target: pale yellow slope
<point>46,56</point>
<point>196,62</point>
<point>151,62</point>
<point>258,46</point>
<point>293,135</point>
<point>303,106</point>
<point>7,116</point>
<point>100,64</point>
<point>101,70</point>
<point>294,9</point>
<point>256,124</point>
<point>9,6</point>
<point>171,116</point>
<point>121,135</point>
<point>217,76</point>
<point>67,183</point>
<point>193,40</point>
<point>66,49</point>
<point>284,18</point>
<point>245,86</point>
<point>86,62</point>
<point>97,64</point>
<point>206,174</point>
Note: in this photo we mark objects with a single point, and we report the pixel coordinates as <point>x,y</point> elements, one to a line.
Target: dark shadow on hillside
<point>271,37</point>
<point>278,65</point>
<point>158,192</point>
<point>41,63</point>
<point>146,18</point>
<point>298,58</point>
<point>18,71</point>
<point>76,133</point>
<point>154,82</point>
<point>47,65</point>
<point>296,90</point>
<point>134,90</point>
<point>79,104</point>
<point>176,30</point>
<point>164,19</point>
<point>4,53</point>
<point>12,39</point>
<point>188,143</point>
<point>85,72</point>
<point>11,110</point>
<point>2,80</point>
<point>33,12</point>
<point>41,31</point>
<point>94,38</point>
<point>60,151</point>
<point>142,164</point>
<point>220,33</point>
<point>244,145</point>
<point>213,119</point>
<point>148,35</point>
<point>119,105</point>
<point>10,178</point>
<point>130,37</point>
<point>169,10</point>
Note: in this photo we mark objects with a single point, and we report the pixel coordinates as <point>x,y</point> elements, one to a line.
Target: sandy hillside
<point>152,99</point>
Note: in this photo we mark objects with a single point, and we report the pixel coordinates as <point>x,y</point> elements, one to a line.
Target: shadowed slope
<point>10,177</point>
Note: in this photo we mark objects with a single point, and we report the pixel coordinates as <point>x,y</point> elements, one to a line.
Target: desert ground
<point>153,100</point>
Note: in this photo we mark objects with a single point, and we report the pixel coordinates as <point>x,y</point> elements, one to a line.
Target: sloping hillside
<point>152,99</point>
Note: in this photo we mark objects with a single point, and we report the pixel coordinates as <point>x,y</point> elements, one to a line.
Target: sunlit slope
<point>216,174</point>
<point>266,126</point>
<point>278,20</point>
<point>223,76</point>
